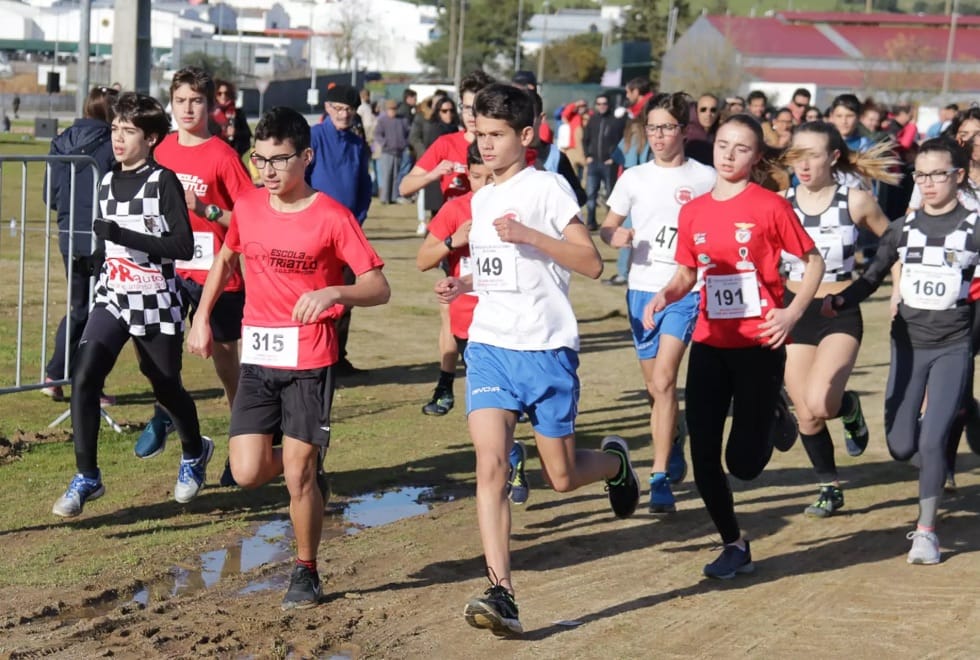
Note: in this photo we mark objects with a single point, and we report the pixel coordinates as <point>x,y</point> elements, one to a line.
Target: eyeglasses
<point>279,163</point>
<point>939,176</point>
<point>341,108</point>
<point>708,109</point>
<point>665,129</point>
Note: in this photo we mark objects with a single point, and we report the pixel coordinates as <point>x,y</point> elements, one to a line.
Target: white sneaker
<point>925,547</point>
<point>422,229</point>
<point>190,478</point>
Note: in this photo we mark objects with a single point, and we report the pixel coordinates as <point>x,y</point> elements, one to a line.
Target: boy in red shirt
<point>295,242</point>
<point>213,178</point>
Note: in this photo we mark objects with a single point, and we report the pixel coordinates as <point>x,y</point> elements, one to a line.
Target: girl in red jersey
<point>734,236</point>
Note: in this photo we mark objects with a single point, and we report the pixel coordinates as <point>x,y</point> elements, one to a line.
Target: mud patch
<point>12,449</point>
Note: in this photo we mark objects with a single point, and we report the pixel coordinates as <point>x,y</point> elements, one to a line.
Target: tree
<point>355,34</point>
<point>647,20</point>
<point>489,37</point>
<point>218,67</point>
<point>576,59</point>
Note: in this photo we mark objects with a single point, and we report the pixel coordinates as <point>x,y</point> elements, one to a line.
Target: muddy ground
<point>588,585</point>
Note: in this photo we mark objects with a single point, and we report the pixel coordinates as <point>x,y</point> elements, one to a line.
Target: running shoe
<point>496,611</point>
<point>304,589</point>
<point>442,402</point>
<point>79,491</point>
<point>153,439</point>
<point>517,488</point>
<point>56,392</point>
<point>784,428</point>
<point>190,477</point>
<point>676,464</point>
<point>624,489</point>
<point>950,485</point>
<point>972,425</point>
<point>855,428</point>
<point>227,478</point>
<point>106,400</point>
<point>730,562</point>
<point>661,496</point>
<point>925,548</point>
<point>830,499</point>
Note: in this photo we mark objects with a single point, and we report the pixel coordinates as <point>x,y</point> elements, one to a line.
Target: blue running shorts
<point>676,320</point>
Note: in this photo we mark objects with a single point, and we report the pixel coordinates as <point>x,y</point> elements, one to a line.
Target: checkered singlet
<point>835,234</point>
<point>139,288</point>
<point>936,272</point>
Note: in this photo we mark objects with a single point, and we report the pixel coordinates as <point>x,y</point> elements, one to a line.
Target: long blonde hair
<point>879,163</point>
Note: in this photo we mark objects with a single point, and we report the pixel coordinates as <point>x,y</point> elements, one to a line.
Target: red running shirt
<point>451,147</point>
<point>289,254</point>
<point>215,173</point>
<point>738,242</point>
<point>449,218</point>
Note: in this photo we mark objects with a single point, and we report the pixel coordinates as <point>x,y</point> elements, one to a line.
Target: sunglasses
<point>707,109</point>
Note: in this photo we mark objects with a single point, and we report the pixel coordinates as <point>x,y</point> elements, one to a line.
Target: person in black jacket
<point>599,139</point>
<point>229,118</point>
<point>88,136</point>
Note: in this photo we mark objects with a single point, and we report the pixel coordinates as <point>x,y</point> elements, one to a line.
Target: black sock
<point>846,407</point>
<point>820,448</point>
<point>446,380</point>
<point>90,474</point>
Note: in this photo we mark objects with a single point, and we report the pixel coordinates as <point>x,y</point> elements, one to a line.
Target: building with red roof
<point>893,57</point>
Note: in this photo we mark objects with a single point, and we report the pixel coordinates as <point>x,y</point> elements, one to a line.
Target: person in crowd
<point>145,227</point>
<point>946,116</point>
<point>735,236</point>
<point>937,249</point>
<point>871,121</point>
<point>822,355</point>
<point>291,347</point>
<point>599,139</point>
<point>444,120</point>
<point>799,104</point>
<point>758,105</point>
<point>812,113</point>
<point>524,322</point>
<point>733,106</point>
<point>231,121</point>
<point>527,80</point>
<point>782,129</point>
<point>88,136</point>
<point>391,134</point>
<point>407,110</point>
<point>651,195</point>
<point>576,115</point>
<point>638,92</point>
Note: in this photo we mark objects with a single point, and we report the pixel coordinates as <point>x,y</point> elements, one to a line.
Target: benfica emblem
<point>743,231</point>
<point>949,257</point>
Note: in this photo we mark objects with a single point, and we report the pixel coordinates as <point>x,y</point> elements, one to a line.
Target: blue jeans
<point>598,174</point>
<point>404,167</point>
<point>625,254</point>
<point>388,177</point>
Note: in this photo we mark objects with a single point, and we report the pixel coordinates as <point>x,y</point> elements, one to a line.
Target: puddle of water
<point>272,543</point>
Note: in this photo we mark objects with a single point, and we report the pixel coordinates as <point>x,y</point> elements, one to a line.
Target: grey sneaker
<point>79,491</point>
<point>925,548</point>
<point>496,612</point>
<point>190,478</point>
<point>831,499</point>
<point>304,589</point>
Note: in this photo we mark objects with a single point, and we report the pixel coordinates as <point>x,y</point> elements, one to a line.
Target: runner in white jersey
<point>652,194</point>
<point>823,352</point>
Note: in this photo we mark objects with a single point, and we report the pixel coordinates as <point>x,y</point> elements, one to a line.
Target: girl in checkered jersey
<point>145,227</point>
<point>823,351</point>
<point>937,247</point>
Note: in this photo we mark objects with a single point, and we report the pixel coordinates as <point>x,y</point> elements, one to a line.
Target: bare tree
<point>902,72</point>
<point>704,66</point>
<point>355,34</point>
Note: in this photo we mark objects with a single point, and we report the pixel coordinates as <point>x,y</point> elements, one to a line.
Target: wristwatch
<point>212,212</point>
<point>449,242</point>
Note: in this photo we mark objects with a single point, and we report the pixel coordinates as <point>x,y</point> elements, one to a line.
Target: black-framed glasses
<point>279,163</point>
<point>665,129</point>
<point>939,176</point>
<point>708,109</point>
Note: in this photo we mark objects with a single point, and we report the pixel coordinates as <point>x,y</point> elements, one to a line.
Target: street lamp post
<point>520,22</point>
<point>950,44</point>
<point>544,41</point>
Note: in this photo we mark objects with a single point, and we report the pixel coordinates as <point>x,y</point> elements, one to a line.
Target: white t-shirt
<point>653,196</point>
<point>523,293</point>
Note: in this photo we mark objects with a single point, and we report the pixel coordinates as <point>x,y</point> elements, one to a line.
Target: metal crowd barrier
<point>34,227</point>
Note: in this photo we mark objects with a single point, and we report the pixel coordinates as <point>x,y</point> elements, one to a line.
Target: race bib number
<point>930,287</point>
<point>831,247</point>
<point>733,296</point>
<point>270,347</point>
<point>494,267</point>
<point>203,252</point>
<point>662,247</point>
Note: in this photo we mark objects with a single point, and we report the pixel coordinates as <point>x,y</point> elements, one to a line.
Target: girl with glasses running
<point>931,350</point>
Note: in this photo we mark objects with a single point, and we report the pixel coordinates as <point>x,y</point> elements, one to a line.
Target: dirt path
<point>836,587</point>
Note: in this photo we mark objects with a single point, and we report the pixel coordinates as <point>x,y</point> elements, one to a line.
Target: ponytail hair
<point>878,163</point>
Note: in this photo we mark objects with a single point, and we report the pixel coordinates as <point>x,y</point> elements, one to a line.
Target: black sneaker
<point>855,429</point>
<point>830,499</point>
<point>624,489</point>
<point>784,427</point>
<point>304,589</point>
<point>730,562</point>
<point>496,612</point>
<point>442,402</point>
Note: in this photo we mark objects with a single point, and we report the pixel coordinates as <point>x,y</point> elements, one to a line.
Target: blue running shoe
<point>153,439</point>
<point>676,464</point>
<point>190,478</point>
<point>731,562</point>
<point>661,496</point>
<point>80,491</point>
<point>517,488</point>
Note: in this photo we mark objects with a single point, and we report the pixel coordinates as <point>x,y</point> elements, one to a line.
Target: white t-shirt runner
<point>653,196</point>
<point>523,293</point>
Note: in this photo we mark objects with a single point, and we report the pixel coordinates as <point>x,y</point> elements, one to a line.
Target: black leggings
<point>716,376</point>
<point>942,373</point>
<point>966,405</point>
<point>159,359</point>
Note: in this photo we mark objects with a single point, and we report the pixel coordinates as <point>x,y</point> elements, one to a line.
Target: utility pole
<point>544,42</point>
<point>458,69</point>
<point>84,39</point>
<point>520,23</point>
<point>451,63</point>
<point>950,45</point>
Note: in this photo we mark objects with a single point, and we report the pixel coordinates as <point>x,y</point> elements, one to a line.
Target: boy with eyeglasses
<point>295,242</point>
<point>213,177</point>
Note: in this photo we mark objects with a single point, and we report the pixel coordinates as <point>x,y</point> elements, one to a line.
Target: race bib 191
<point>203,253</point>
<point>733,296</point>
<point>270,347</point>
